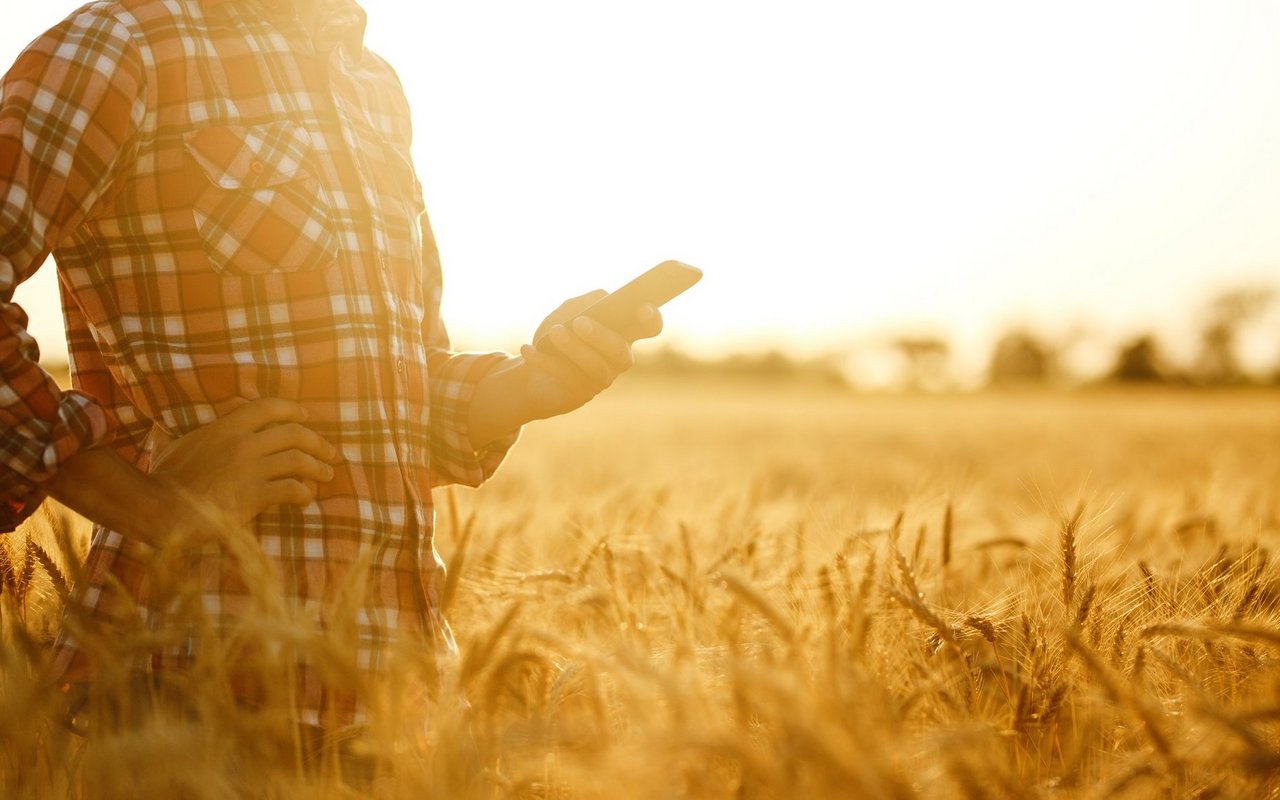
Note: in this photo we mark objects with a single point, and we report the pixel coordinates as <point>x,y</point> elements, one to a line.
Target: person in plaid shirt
<point>251,293</point>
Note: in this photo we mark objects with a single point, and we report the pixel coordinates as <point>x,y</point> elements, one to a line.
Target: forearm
<point>71,111</point>
<point>538,385</point>
<point>500,404</point>
<point>100,485</point>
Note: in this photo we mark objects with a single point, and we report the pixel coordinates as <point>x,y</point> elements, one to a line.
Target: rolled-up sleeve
<point>71,109</point>
<point>452,379</point>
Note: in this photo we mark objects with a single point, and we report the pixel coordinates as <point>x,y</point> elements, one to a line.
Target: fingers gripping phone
<point>618,310</point>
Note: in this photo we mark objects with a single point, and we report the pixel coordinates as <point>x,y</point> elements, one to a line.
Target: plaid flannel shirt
<point>230,201</point>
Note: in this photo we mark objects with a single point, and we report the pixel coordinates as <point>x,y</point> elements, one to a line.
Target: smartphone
<point>618,310</point>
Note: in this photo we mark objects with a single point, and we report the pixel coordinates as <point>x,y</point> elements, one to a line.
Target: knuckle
<point>319,446</point>
<point>260,408</point>
<point>297,492</point>
<point>625,358</point>
<point>307,440</point>
<point>279,408</point>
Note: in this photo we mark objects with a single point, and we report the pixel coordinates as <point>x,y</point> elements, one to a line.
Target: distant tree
<point>1139,360</point>
<point>1217,363</point>
<point>1227,313</point>
<point>1021,357</point>
<point>924,361</point>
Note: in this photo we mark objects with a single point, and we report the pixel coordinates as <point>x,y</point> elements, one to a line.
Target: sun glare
<point>955,474</point>
<point>837,169</point>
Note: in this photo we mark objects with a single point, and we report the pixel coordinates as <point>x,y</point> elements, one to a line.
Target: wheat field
<point>737,590</point>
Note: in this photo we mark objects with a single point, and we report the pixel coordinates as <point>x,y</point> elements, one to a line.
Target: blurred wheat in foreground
<point>732,591</point>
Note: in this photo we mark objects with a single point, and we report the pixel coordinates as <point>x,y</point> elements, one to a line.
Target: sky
<point>841,171</point>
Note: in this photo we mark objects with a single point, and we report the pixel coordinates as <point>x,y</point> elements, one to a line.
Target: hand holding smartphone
<point>618,310</point>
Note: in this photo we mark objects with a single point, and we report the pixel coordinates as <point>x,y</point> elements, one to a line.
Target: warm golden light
<point>838,169</point>
<point>953,473</point>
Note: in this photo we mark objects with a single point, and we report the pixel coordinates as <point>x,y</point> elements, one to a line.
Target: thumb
<point>576,305</point>
<point>568,310</point>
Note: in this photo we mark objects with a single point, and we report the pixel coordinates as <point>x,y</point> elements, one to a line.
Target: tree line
<point>1022,356</point>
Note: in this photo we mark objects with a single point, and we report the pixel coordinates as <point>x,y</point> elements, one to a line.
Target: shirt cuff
<point>33,450</point>
<point>19,499</point>
<point>454,457</point>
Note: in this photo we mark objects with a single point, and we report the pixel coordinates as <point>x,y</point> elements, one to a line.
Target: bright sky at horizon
<point>838,169</point>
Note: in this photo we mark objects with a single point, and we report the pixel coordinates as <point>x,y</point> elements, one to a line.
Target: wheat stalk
<point>1121,695</point>
<point>947,525</point>
<point>1067,541</point>
<point>60,583</point>
<point>786,629</point>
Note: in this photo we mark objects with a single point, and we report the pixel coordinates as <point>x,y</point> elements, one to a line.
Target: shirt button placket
<point>402,382</point>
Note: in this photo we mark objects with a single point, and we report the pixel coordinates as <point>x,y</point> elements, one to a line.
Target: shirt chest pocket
<point>257,208</point>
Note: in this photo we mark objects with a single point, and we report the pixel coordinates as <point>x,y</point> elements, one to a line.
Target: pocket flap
<point>235,157</point>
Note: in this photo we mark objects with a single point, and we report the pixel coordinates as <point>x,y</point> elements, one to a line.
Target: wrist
<point>500,404</point>
<point>165,505</point>
<point>103,487</point>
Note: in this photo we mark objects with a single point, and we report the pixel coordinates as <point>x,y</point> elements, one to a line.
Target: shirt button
<point>400,365</point>
<point>257,168</point>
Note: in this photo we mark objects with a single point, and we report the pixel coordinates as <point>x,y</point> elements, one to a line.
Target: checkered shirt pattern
<point>228,194</point>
